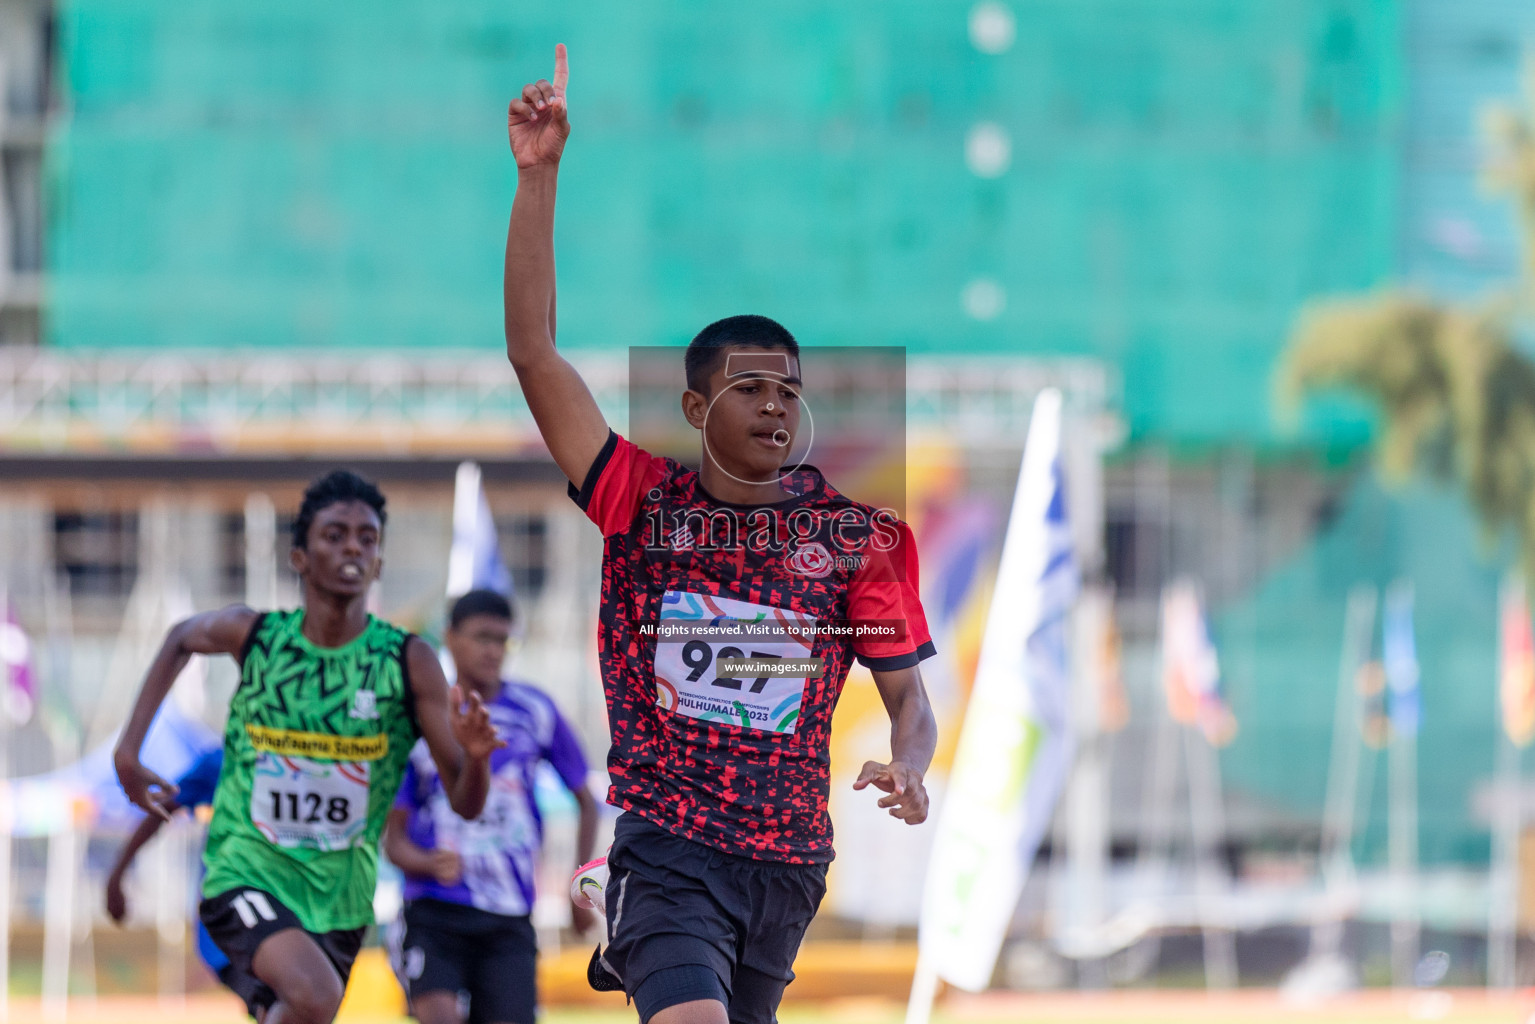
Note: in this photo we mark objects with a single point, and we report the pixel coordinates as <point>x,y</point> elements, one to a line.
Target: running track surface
<point>1257,1006</point>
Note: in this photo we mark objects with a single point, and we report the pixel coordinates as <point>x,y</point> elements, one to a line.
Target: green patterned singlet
<point>314,751</point>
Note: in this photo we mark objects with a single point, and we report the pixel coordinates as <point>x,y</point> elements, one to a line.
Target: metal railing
<point>55,402</point>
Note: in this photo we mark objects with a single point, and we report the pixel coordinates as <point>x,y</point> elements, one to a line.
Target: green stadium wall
<point>1183,175</point>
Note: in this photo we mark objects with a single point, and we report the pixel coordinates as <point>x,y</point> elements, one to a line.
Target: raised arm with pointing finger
<point>723,782</point>
<point>538,124</point>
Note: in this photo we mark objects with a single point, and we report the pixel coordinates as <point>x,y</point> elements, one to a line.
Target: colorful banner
<point>1016,743</point>
<point>1516,669</point>
<point>1374,722</point>
<point>18,676</point>
<point>877,876</point>
<point>1191,670</point>
<point>1113,701</point>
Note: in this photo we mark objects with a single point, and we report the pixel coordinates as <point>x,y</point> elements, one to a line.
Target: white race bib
<point>688,681</point>
<point>505,821</point>
<point>316,805</point>
<point>492,846</point>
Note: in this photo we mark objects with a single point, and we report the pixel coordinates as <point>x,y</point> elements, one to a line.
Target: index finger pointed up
<point>561,70</point>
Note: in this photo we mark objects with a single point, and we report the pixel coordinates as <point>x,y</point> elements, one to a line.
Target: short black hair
<point>336,486</point>
<point>479,602</point>
<point>705,349</point>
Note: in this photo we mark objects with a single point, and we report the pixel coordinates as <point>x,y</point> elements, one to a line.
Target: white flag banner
<point>474,561</point>
<point>1016,745</point>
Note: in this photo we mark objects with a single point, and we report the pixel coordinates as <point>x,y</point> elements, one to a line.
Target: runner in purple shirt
<point>469,884</point>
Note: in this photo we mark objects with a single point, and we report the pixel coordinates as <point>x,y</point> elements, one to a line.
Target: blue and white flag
<point>1191,667</point>
<point>1016,743</point>
<point>1399,654</point>
<point>18,673</point>
<point>474,562</point>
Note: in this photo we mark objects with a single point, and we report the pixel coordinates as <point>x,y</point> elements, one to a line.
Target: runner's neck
<point>333,622</point>
<point>730,490</point>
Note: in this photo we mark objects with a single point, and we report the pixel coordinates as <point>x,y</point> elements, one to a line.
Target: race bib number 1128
<point>317,805</point>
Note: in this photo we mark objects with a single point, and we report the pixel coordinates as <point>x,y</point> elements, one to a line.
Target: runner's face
<point>344,554</point>
<point>478,647</point>
<point>752,414</point>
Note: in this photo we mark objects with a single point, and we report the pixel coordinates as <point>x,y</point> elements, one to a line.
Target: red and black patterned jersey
<point>714,752</point>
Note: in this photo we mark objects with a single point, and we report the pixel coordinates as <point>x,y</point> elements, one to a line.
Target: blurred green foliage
<point>1455,393</point>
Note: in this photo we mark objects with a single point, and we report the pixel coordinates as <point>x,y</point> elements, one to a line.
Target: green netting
<point>1184,173</point>
<point>1280,651</point>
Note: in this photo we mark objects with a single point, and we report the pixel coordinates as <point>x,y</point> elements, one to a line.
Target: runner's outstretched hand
<point>908,797</point>
<point>471,724</point>
<point>538,123</point>
<point>144,788</point>
<point>117,902</point>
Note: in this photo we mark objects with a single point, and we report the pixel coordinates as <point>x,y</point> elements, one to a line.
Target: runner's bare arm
<point>403,853</point>
<point>913,737</point>
<point>458,733</point>
<point>562,405</point>
<point>442,865</point>
<point>117,901</point>
<point>586,829</point>
<point>220,632</point>
<point>581,918</point>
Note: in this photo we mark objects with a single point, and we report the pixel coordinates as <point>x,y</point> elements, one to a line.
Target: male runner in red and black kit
<point>719,861</point>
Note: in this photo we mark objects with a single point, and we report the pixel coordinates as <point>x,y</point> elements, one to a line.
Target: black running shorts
<point>241,919</point>
<point>448,947</point>
<point>716,924</point>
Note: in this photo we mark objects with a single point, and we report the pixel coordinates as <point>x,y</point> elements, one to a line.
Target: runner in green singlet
<point>330,702</point>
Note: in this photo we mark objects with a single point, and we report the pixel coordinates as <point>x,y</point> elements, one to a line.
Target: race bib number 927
<point>690,681</point>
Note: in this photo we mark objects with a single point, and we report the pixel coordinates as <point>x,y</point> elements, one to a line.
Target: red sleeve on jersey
<point>619,477</point>
<point>885,591</point>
